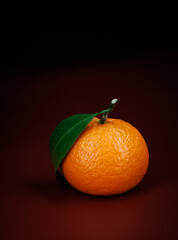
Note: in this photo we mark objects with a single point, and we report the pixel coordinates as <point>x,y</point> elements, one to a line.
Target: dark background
<point>27,41</point>
<point>50,71</point>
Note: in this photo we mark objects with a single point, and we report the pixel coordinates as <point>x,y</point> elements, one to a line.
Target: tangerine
<point>106,159</point>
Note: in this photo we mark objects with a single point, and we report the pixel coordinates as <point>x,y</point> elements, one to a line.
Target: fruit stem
<point>111,107</point>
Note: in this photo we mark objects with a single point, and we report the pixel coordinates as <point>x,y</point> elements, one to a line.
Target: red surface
<point>34,205</point>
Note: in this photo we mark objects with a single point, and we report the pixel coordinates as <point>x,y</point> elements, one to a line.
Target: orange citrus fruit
<point>106,159</point>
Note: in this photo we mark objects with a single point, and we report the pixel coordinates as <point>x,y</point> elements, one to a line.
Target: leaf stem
<point>111,107</point>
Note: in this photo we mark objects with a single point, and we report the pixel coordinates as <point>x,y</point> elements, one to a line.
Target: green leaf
<point>65,134</point>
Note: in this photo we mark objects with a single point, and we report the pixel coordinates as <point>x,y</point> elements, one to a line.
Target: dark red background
<point>33,204</point>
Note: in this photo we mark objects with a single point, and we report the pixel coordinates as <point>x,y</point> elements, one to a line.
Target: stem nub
<point>111,107</point>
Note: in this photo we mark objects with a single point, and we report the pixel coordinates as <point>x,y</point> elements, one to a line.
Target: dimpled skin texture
<point>106,159</point>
